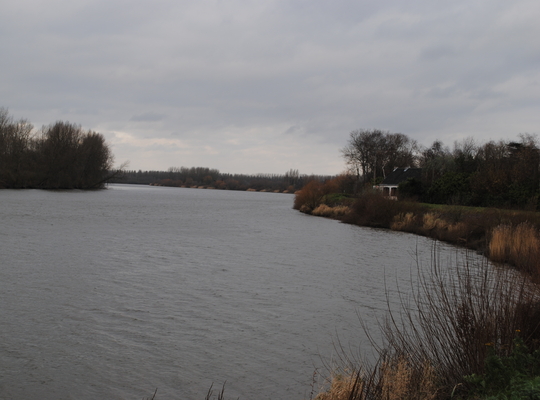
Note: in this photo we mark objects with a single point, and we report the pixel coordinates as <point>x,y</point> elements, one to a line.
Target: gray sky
<point>268,85</point>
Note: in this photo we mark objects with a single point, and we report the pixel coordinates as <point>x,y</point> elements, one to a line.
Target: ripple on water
<point>113,293</point>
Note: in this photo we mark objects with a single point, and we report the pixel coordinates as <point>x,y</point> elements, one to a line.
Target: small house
<point>389,185</point>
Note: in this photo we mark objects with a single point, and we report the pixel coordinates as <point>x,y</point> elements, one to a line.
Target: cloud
<point>239,77</point>
<point>148,117</point>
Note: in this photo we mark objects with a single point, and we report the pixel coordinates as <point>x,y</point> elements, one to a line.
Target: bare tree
<point>15,145</point>
<point>375,153</point>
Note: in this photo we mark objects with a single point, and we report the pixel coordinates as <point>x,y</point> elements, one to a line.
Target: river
<point>111,294</point>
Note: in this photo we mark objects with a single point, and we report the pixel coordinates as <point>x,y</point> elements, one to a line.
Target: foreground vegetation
<point>471,332</point>
<point>60,156</point>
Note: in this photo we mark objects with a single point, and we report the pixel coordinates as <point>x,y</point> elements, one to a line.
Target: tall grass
<point>403,222</point>
<point>518,245</point>
<point>458,314</point>
<point>331,212</point>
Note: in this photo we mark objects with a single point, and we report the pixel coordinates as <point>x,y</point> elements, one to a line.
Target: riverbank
<point>475,331</point>
<point>504,236</point>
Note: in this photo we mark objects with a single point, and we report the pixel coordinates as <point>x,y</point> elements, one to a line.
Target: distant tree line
<point>60,156</point>
<point>504,173</point>
<point>291,181</point>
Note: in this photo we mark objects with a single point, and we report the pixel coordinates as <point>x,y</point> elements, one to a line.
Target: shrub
<point>331,192</point>
<point>309,197</point>
<point>512,376</point>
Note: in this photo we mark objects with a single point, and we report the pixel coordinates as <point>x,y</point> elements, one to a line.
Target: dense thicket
<point>291,181</point>
<point>502,174</point>
<point>60,156</point>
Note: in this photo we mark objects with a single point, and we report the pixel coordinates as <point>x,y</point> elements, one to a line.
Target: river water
<point>111,294</point>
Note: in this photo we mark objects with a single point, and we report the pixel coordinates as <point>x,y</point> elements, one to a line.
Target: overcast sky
<point>264,86</point>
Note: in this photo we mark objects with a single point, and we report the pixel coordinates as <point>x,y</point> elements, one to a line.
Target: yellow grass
<point>402,221</point>
<point>333,212</point>
<point>397,379</point>
<point>433,220</point>
<point>340,388</point>
<point>401,382</point>
<point>498,245</point>
<point>518,245</point>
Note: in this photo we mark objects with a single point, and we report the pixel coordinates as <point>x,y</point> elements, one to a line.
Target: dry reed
<point>400,380</point>
<point>498,245</point>
<point>434,221</point>
<point>403,222</point>
<point>341,387</point>
<point>331,212</point>
<point>519,245</point>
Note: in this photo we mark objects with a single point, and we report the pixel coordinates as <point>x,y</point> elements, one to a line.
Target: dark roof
<point>402,174</point>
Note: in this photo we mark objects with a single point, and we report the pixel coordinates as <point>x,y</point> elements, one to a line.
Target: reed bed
<point>518,245</point>
<point>404,222</point>
<point>434,221</point>
<point>337,212</point>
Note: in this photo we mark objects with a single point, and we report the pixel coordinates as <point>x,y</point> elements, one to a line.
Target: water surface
<point>111,294</point>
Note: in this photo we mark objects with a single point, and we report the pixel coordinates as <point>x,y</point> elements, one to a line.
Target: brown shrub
<point>314,192</point>
<point>309,196</point>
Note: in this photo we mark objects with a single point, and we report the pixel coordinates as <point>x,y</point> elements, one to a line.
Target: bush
<point>309,197</point>
<point>331,192</point>
<point>509,377</point>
